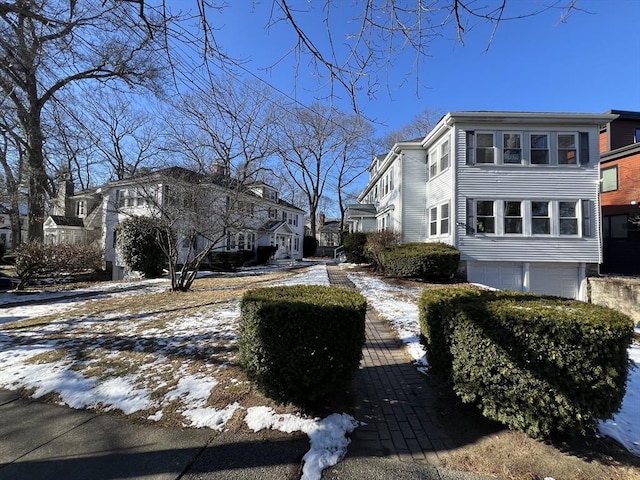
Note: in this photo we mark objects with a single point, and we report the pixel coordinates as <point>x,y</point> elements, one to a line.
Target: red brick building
<point>620,197</point>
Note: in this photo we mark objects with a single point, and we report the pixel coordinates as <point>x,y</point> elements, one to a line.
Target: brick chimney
<point>321,219</point>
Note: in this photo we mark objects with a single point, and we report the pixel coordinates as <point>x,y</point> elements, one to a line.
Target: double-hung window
<point>444,219</point>
<point>567,151</point>
<point>433,163</point>
<point>568,215</point>
<point>539,149</point>
<point>433,221</point>
<point>485,216</point>
<point>439,220</point>
<point>485,152</point>
<point>512,217</point>
<point>540,218</point>
<point>511,148</point>
<point>444,155</point>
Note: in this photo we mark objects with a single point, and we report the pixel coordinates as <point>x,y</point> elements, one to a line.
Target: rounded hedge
<point>301,343</point>
<point>427,261</point>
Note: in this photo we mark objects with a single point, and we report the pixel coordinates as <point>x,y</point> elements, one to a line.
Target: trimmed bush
<point>230,260</point>
<point>541,365</point>
<point>427,261</point>
<point>309,246</point>
<point>302,343</point>
<point>3,250</point>
<point>264,253</point>
<point>354,247</point>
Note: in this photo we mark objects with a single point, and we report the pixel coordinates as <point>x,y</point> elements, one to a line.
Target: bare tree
<point>354,157</point>
<point>418,127</point>
<point>309,144</point>
<point>360,43</point>
<point>225,126</point>
<point>46,45</point>
<point>127,137</point>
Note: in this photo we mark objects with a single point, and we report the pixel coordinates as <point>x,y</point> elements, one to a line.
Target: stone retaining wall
<point>619,293</point>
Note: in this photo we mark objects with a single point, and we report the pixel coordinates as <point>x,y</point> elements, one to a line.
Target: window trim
<point>548,217</point>
<point>492,148</point>
<point>520,148</point>
<point>506,217</point>
<point>547,149</point>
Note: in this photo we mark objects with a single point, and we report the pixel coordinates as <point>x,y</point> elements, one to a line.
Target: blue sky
<point>590,63</point>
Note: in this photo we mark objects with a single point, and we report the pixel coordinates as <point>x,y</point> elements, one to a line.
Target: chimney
<point>218,170</point>
<point>62,204</point>
<point>321,219</point>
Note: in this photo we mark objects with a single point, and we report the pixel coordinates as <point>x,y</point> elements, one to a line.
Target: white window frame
<point>506,217</point>
<point>532,149</point>
<point>548,217</point>
<point>445,154</point>
<point>492,148</point>
<point>576,218</point>
<point>519,148</point>
<point>494,216</point>
<point>575,149</point>
<point>433,163</point>
<point>437,220</point>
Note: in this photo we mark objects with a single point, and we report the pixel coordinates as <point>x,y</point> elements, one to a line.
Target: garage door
<point>551,279</point>
<point>502,275</point>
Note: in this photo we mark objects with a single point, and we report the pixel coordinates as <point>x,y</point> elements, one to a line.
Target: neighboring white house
<point>239,217</point>
<point>516,193</point>
<point>5,224</point>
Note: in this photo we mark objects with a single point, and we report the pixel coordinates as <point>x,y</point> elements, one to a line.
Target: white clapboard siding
<point>413,194</point>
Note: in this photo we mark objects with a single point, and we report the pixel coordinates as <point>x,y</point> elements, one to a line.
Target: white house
<point>238,217</point>
<point>6,235</point>
<point>516,193</point>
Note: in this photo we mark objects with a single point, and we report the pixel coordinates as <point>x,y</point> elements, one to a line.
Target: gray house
<point>516,193</point>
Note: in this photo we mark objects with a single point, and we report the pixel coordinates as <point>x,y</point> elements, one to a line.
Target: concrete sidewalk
<point>402,438</point>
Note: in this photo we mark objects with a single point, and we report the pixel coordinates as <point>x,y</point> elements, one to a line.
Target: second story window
<point>512,148</point>
<point>444,155</point>
<point>567,152</point>
<point>484,148</point>
<point>81,208</point>
<point>539,149</point>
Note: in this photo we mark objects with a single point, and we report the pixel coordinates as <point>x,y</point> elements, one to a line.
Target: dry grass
<point>490,451</point>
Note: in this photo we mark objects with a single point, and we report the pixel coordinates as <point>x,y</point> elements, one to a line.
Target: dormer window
<point>81,208</point>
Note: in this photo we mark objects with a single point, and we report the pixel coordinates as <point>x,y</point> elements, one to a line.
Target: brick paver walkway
<point>392,397</point>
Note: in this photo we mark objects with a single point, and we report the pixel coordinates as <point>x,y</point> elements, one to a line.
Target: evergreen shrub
<point>309,246</point>
<point>139,240</point>
<point>541,365</point>
<point>264,253</point>
<point>426,261</point>
<point>230,260</point>
<point>354,247</point>
<point>302,343</point>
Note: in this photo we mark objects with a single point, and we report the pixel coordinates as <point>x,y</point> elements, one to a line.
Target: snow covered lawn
<point>154,355</point>
<point>170,357</point>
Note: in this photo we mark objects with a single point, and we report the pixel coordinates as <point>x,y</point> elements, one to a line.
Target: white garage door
<point>551,279</point>
<point>502,275</point>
